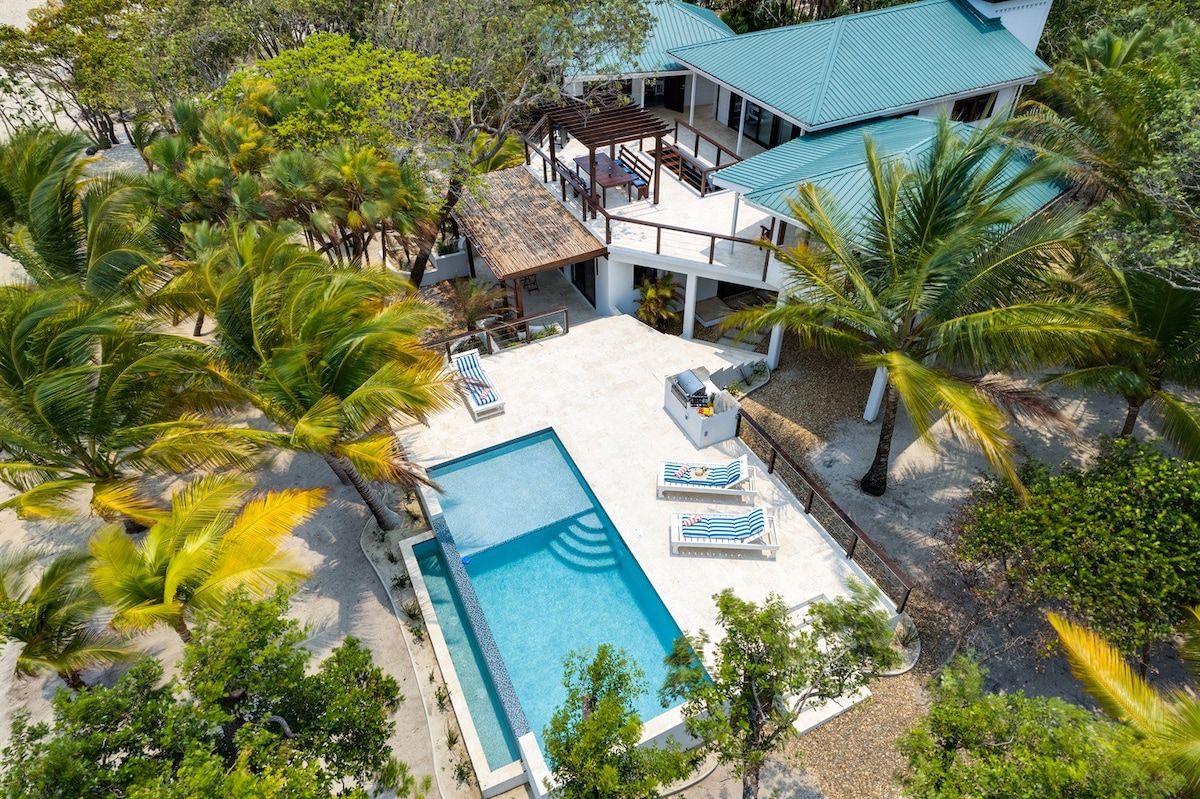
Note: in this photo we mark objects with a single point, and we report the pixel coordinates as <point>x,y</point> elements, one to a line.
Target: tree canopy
<point>255,721</point>
<point>1114,543</point>
<point>976,745</point>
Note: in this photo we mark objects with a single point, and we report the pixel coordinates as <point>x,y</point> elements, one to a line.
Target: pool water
<point>552,576</point>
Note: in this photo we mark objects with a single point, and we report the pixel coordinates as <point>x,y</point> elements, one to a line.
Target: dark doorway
<point>583,277</point>
<point>673,95</point>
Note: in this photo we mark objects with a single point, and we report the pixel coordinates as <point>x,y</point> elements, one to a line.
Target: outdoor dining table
<point>609,174</point>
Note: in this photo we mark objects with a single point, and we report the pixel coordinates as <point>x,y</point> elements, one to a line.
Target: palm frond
<point>1107,676</point>
<point>1179,422</point>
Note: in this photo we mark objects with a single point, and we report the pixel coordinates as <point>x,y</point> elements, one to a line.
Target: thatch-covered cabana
<point>520,229</point>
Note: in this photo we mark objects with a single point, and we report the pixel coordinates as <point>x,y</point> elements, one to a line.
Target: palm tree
<point>1169,721</point>
<point>330,356</point>
<point>91,400</point>
<point>54,617</point>
<point>1098,108</point>
<point>63,228</point>
<point>1167,317</point>
<point>940,276</point>
<point>658,300</point>
<point>216,539</point>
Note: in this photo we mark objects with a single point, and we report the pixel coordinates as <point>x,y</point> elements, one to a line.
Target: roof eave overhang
<point>904,109</point>
<point>709,76</point>
<point>661,73</point>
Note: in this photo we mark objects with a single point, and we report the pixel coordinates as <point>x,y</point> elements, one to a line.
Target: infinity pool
<point>551,575</point>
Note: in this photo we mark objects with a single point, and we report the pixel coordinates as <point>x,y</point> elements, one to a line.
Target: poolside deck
<point>601,387</point>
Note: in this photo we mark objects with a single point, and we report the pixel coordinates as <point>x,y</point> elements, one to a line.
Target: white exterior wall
<point>1005,100</point>
<point>934,110</point>
<point>618,292</point>
<point>1025,19</point>
<point>706,90</point>
<point>723,107</point>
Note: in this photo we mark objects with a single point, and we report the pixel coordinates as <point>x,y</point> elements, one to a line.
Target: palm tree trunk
<point>336,468</point>
<point>874,482</point>
<point>73,680</point>
<point>181,627</point>
<point>384,517</point>
<point>1131,416</point>
<point>199,328</point>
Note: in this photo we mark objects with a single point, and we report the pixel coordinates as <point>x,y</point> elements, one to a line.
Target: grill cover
<point>689,389</point>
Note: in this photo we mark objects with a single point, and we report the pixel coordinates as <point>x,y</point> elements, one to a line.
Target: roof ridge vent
<point>834,44</point>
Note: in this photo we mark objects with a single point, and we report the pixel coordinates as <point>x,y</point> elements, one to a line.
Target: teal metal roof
<point>677,24</point>
<point>842,70</point>
<point>836,161</point>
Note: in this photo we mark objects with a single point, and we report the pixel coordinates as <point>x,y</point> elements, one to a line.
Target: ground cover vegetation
<point>249,716</point>
<point>1115,543</point>
<point>996,746</point>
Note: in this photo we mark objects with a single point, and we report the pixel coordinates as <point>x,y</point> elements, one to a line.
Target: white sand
<point>16,12</point>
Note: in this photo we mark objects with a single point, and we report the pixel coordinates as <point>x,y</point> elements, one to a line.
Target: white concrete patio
<point>601,388</point>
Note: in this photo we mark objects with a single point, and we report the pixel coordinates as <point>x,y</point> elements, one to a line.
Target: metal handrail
<point>815,491</point>
<point>487,332</point>
<point>721,148</point>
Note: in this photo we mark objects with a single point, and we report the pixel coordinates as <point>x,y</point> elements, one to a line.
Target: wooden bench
<point>640,170</point>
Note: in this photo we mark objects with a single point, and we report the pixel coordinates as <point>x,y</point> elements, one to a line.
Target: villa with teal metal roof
<point>755,117</point>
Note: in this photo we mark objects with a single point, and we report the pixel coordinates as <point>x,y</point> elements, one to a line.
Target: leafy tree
<point>1116,543</point>
<point>764,672</point>
<point>1102,104</point>
<point>53,618</point>
<point>334,90</point>
<point>216,539</point>
<point>513,56</point>
<point>255,720</point>
<point>1170,722</point>
<point>592,741</point>
<point>1071,20</point>
<point>941,276</point>
<point>1004,746</point>
<point>330,356</point>
<point>1167,317</point>
<point>658,300</point>
<point>1161,232</point>
<point>89,399</point>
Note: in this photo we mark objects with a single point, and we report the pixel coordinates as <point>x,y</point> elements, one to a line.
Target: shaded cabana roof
<point>520,229</point>
<point>605,122</point>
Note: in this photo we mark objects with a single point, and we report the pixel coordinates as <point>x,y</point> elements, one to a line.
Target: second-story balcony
<point>654,194</point>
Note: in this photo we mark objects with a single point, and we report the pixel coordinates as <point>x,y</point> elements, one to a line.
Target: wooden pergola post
<point>518,297</point>
<point>470,257</point>
<point>658,145</point>
<point>553,158</point>
<point>592,178</point>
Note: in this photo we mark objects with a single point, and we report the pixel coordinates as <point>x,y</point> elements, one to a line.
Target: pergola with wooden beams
<point>520,229</point>
<point>604,121</point>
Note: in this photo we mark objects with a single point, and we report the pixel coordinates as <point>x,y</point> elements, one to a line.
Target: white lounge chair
<point>734,479</point>
<point>482,398</point>
<point>753,531</point>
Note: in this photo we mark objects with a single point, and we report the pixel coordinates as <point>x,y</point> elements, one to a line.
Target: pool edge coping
<point>491,782</point>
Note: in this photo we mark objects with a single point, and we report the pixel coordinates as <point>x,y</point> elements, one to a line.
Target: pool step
<point>584,547</point>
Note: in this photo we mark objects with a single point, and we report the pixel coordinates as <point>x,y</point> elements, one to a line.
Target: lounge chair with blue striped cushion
<point>754,531</point>
<point>734,479</point>
<point>481,396</point>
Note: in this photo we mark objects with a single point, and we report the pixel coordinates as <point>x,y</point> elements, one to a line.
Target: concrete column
<point>737,201</point>
<point>775,347</point>
<point>639,92</point>
<point>741,126</point>
<point>692,102</point>
<point>689,306</point>
<point>875,398</point>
